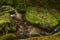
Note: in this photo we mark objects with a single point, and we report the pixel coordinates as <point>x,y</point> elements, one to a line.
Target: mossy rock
<point>43,17</point>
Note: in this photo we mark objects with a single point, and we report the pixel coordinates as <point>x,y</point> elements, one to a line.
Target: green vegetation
<point>5,18</point>
<point>42,17</point>
<point>57,15</point>
<point>6,23</point>
<point>36,13</point>
<point>56,34</point>
<point>7,36</point>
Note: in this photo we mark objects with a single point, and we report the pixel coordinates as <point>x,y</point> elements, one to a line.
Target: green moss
<point>5,15</point>
<point>42,17</point>
<point>56,14</point>
<point>6,36</point>
<point>6,18</point>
